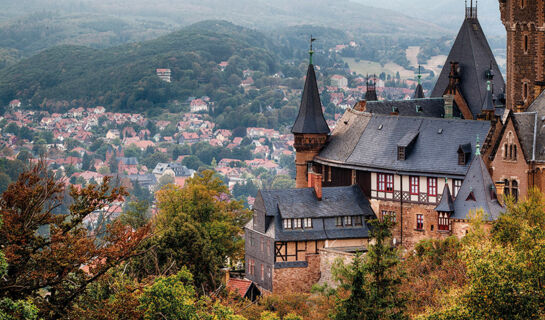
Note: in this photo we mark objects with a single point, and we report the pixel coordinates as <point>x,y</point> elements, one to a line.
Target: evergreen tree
<point>374,280</point>
<point>86,161</point>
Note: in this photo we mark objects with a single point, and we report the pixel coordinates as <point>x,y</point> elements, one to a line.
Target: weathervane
<point>311,52</point>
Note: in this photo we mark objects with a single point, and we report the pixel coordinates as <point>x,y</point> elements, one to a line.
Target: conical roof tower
<point>475,58</point>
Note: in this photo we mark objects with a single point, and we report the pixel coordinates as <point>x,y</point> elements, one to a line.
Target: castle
<point>426,163</point>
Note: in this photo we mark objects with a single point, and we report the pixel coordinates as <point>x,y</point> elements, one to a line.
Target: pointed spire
<point>311,117</point>
<point>447,203</point>
<point>311,51</point>
<point>488,104</point>
<point>419,91</point>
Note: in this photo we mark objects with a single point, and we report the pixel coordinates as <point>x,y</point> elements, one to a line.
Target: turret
<point>419,91</point>
<point>310,129</point>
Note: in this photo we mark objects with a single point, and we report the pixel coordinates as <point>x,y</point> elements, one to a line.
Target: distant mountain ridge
<point>123,77</point>
<point>34,25</point>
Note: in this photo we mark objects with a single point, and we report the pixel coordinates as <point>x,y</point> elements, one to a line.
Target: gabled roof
<point>477,192</point>
<point>310,118</point>
<point>472,52</point>
<point>302,203</point>
<point>447,203</point>
<point>431,107</point>
<point>369,142</point>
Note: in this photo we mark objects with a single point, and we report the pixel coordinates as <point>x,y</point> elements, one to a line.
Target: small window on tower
<point>526,43</point>
<point>525,90</point>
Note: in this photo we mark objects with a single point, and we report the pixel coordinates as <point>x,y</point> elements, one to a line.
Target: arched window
<point>514,152</point>
<point>526,43</point>
<point>515,190</point>
<point>525,91</point>
<point>511,151</point>
<point>506,186</point>
<point>505,151</point>
<point>443,222</point>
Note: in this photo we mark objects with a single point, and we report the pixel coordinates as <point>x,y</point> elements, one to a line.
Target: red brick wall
<point>505,168</point>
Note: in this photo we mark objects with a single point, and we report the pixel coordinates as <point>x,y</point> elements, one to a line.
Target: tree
<point>373,280</point>
<point>13,310</point>
<point>136,214</point>
<point>51,260</point>
<point>86,161</point>
<point>505,268</point>
<point>175,297</point>
<point>197,227</point>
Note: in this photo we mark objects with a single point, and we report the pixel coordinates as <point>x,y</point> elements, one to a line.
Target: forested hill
<point>123,77</point>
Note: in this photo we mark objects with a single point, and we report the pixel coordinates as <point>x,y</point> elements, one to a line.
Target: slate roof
<point>302,203</point>
<point>369,142</point>
<point>478,183</point>
<point>447,203</point>
<point>433,107</point>
<point>472,52</point>
<point>538,106</point>
<point>310,118</point>
<point>525,125</point>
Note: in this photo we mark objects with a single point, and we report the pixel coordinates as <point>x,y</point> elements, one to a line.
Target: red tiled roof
<point>240,286</point>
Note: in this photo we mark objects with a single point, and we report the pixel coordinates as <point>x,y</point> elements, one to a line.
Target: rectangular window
<point>457,186</point>
<point>420,222</point>
<point>251,236</point>
<point>389,214</point>
<point>287,223</point>
<point>385,182</point>
<point>432,187</point>
<point>262,245</point>
<point>348,221</point>
<point>307,223</point>
<point>358,221</point>
<point>296,223</point>
<point>262,272</point>
<point>339,221</point>
<point>414,185</point>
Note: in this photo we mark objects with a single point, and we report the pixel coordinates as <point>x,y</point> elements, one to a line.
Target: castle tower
<point>464,75</point>
<point>524,21</point>
<point>310,129</point>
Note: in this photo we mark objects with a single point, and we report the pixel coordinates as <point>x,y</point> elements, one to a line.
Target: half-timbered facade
<point>289,227</point>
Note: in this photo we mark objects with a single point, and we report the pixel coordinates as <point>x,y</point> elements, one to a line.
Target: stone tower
<point>310,129</point>
<point>524,21</point>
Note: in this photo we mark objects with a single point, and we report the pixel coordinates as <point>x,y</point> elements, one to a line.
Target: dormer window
<point>464,154</point>
<point>400,153</point>
<point>348,221</point>
<point>405,144</point>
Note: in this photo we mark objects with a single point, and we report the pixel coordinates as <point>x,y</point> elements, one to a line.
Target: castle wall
<point>297,279</point>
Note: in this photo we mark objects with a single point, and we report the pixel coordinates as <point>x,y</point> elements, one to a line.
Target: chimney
<point>499,190</point>
<point>226,275</point>
<point>315,181</point>
<point>449,106</point>
<point>360,106</point>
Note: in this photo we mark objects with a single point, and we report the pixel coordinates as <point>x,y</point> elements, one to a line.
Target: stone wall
<point>524,64</point>
<point>327,258</point>
<point>287,280</point>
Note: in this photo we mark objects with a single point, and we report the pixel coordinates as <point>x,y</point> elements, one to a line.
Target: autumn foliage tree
<point>51,256</point>
<point>198,227</point>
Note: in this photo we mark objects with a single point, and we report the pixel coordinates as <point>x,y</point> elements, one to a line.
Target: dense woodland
<point>169,266</point>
